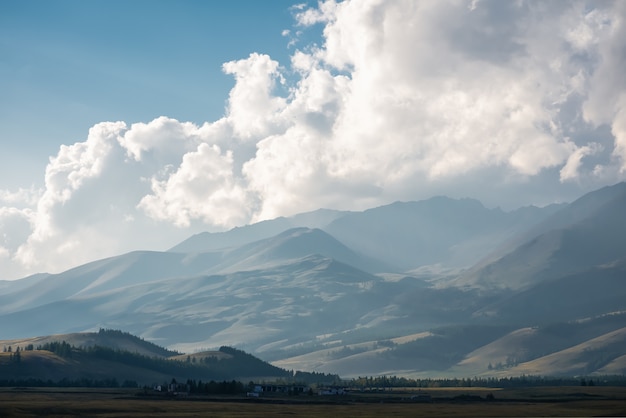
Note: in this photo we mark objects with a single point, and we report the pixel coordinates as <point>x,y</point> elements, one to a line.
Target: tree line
<point>382,382</point>
<point>69,383</point>
<point>212,387</point>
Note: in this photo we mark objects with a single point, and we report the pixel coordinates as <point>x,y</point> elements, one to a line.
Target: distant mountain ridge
<point>207,241</point>
<point>437,287</point>
<point>441,230</point>
<point>293,244</point>
<point>587,233</point>
<point>401,236</point>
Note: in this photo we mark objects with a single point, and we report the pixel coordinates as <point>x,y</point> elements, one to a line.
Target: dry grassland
<point>571,401</point>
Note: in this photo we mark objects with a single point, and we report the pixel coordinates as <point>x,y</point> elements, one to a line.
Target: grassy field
<point>557,401</point>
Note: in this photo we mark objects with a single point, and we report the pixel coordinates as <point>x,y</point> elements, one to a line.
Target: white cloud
<point>618,128</point>
<point>570,170</point>
<point>402,100</point>
<point>253,110</point>
<point>21,197</point>
<point>606,96</point>
<point>67,175</point>
<point>164,138</point>
<point>92,188</point>
<point>203,187</point>
<point>14,227</point>
<point>325,12</point>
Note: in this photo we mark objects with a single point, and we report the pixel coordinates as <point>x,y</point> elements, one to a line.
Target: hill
<point>529,344</point>
<point>113,339</point>
<point>57,360</point>
<point>587,358</point>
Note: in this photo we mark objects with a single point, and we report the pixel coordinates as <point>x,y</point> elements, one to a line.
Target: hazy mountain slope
<point>617,366</point>
<point>211,241</point>
<point>563,216</point>
<point>433,351</point>
<point>147,266</point>
<point>589,232</point>
<point>403,235</point>
<point>593,292</point>
<point>452,232</point>
<point>294,301</point>
<point>110,273</point>
<point>348,359</point>
<point>291,244</point>
<point>501,351</point>
<point>8,286</point>
<point>529,343</point>
<point>585,207</point>
<point>583,359</point>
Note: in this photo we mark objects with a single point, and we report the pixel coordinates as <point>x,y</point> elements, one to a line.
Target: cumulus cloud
<point>164,140</point>
<point>401,100</point>
<point>204,187</point>
<point>618,127</point>
<point>89,206</point>
<point>20,198</point>
<point>571,169</point>
<point>253,110</point>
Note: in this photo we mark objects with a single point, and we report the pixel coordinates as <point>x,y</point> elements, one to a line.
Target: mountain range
<point>440,287</point>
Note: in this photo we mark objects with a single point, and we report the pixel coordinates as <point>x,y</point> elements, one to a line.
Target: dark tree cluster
<point>61,349</point>
<point>212,387</point>
<point>65,382</point>
<point>165,366</point>
<point>105,334</point>
<point>245,364</point>
<point>381,382</point>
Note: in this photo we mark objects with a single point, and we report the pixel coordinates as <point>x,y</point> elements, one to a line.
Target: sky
<point>133,125</point>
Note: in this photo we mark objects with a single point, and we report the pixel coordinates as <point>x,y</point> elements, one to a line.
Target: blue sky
<point>66,65</point>
<point>130,125</point>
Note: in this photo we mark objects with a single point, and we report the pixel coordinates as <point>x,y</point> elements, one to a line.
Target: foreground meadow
<point>467,402</point>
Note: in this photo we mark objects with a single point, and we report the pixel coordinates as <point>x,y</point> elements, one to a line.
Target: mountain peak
<point>298,243</point>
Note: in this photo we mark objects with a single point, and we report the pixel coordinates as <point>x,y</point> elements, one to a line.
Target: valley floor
<point>467,402</point>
